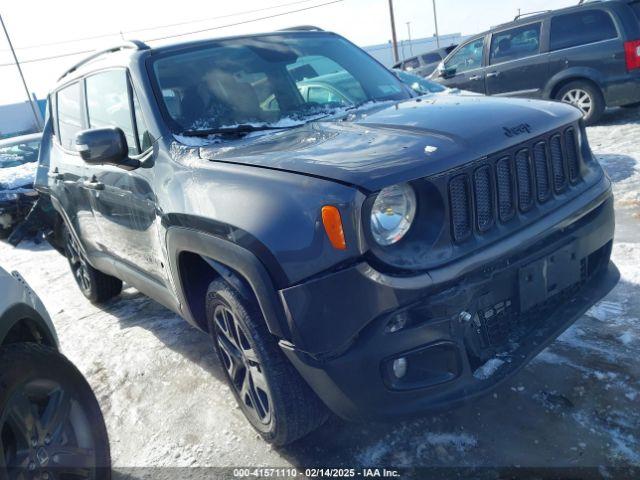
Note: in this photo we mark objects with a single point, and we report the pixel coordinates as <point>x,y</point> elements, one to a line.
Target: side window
<point>324,96</point>
<point>431,58</point>
<point>108,104</point>
<point>411,64</point>
<point>515,43</point>
<point>468,57</point>
<point>581,28</point>
<point>69,115</point>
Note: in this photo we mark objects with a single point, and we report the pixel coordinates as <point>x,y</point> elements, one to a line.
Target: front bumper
<point>344,350</point>
<point>15,210</point>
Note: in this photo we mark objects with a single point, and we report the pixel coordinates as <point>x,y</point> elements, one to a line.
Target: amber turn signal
<point>333,226</point>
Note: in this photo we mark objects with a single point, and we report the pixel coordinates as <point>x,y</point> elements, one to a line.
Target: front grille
<point>460,207</point>
<point>557,164</point>
<point>484,197</point>
<point>494,190</point>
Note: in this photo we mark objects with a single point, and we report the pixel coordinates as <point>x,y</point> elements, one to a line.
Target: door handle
<point>493,74</point>
<point>475,77</point>
<point>93,184</point>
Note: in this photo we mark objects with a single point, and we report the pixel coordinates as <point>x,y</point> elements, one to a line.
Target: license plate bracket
<point>548,276</point>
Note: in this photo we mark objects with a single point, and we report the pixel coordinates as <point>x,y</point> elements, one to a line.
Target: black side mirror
<point>105,146</point>
<point>445,72</point>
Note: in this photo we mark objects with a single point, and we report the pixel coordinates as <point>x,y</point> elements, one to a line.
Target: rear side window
<point>431,58</point>
<point>636,8</point>
<point>581,28</point>
<point>69,115</point>
<point>108,104</point>
<point>515,43</point>
<point>411,64</point>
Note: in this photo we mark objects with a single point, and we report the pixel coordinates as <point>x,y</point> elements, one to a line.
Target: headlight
<point>392,214</point>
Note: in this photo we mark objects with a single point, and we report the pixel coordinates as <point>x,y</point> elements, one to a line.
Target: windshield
<point>19,154</point>
<point>419,84</point>
<point>276,80</point>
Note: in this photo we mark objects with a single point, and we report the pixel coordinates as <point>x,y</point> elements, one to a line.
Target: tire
<point>4,233</point>
<point>270,392</point>
<point>50,420</point>
<point>98,287</point>
<point>586,96</point>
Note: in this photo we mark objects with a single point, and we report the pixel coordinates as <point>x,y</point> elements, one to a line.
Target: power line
<point>53,57</point>
<point>146,29</point>
<point>241,23</point>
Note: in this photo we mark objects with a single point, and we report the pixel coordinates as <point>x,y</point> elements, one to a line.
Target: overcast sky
<point>32,24</point>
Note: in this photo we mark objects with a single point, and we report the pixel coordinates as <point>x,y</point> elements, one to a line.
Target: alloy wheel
<point>242,365</point>
<point>79,266</point>
<point>579,98</point>
<point>46,435</point>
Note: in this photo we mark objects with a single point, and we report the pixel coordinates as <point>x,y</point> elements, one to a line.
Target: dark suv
<point>587,55</point>
<point>381,255</point>
<point>424,64</point>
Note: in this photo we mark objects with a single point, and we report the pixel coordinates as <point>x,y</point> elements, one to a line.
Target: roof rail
<point>304,28</point>
<point>520,15</point>
<point>130,44</point>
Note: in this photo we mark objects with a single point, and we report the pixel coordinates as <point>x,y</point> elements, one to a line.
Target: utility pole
<point>435,19</point>
<point>394,38</point>
<point>409,33</point>
<point>24,83</point>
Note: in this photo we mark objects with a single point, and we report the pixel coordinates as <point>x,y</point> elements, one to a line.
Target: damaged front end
<point>15,205</point>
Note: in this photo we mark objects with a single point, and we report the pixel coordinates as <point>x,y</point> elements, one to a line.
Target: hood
<point>394,143</point>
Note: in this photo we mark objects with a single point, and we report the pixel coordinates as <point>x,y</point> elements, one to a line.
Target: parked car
<point>367,259</point>
<point>50,423</point>
<point>18,164</point>
<point>586,55</point>
<point>426,63</point>
<point>422,86</point>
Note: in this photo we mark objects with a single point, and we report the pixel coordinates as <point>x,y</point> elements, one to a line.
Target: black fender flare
<point>20,312</point>
<point>239,266</point>
<point>572,74</point>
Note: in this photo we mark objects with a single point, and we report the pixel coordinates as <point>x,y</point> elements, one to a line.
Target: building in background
<point>384,52</point>
<point>17,118</point>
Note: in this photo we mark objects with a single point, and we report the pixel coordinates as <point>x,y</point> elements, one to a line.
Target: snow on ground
<point>166,404</point>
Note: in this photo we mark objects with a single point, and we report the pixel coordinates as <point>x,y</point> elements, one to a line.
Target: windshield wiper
<point>236,130</point>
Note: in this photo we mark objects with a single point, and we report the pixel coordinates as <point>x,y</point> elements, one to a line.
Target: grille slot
<point>557,164</point>
<point>483,198</point>
<point>540,163</point>
<point>506,208</point>
<point>571,148</point>
<point>525,185</point>
<point>459,197</point>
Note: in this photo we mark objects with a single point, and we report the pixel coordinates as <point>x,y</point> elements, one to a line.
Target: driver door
<point>465,68</point>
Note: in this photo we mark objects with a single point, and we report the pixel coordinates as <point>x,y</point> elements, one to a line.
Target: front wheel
<point>50,422</point>
<point>586,97</point>
<point>98,287</point>
<point>270,392</point>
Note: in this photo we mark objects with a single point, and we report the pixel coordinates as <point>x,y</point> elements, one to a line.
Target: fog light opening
<point>400,367</point>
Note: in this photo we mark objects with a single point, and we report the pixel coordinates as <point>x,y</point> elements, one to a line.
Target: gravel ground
<point>166,404</point>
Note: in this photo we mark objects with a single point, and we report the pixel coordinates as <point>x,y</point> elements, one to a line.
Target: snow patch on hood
<point>18,176</point>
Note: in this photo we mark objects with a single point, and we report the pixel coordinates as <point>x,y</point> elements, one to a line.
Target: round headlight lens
<point>392,214</point>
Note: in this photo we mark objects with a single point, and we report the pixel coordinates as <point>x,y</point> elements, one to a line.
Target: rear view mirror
<point>105,146</point>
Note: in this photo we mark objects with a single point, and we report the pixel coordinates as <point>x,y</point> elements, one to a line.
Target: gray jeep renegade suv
<point>368,255</point>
